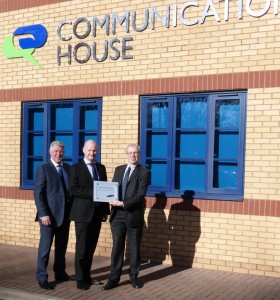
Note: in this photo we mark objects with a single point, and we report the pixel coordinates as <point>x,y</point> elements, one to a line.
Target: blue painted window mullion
<point>54,120</point>
<point>206,142</point>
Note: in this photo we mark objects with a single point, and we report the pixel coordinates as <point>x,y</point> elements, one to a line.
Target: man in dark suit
<point>127,216</point>
<point>52,200</point>
<point>88,215</point>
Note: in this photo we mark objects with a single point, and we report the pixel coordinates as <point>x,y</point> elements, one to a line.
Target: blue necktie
<point>60,173</point>
<point>125,180</point>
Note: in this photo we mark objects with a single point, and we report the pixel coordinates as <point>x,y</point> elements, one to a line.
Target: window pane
<point>157,115</point>
<point>198,139</point>
<point>226,144</point>
<point>47,121</point>
<point>36,119</point>
<point>88,117</point>
<point>68,161</point>
<point>158,172</point>
<point>157,143</point>
<point>32,167</point>
<point>225,175</point>
<point>191,144</point>
<point>227,113</point>
<point>191,112</point>
<point>62,117</point>
<point>189,176</point>
<point>35,144</point>
<point>87,136</point>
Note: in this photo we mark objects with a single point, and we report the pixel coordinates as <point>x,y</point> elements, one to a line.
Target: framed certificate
<point>105,191</point>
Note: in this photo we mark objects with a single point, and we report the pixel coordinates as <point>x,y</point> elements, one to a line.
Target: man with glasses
<point>127,216</point>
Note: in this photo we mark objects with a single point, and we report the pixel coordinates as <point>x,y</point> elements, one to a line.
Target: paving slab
<point>157,281</point>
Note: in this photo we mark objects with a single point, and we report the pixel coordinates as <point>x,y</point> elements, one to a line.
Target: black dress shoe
<point>45,285</point>
<point>110,285</point>
<point>62,277</point>
<point>81,285</point>
<point>134,283</point>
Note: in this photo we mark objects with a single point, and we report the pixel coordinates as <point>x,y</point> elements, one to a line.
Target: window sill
<point>201,196</point>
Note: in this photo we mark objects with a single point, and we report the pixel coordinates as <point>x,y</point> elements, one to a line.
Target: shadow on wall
<point>174,238</point>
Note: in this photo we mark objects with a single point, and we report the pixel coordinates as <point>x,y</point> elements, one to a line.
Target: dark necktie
<point>125,180</point>
<point>60,173</point>
<point>94,172</point>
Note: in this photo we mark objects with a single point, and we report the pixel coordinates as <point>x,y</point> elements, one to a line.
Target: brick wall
<point>246,45</point>
<point>226,55</point>
<point>243,243</point>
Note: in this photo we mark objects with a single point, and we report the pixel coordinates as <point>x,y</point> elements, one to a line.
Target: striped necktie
<point>124,183</point>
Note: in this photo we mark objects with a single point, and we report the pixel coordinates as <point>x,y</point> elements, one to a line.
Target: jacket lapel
<point>121,173</point>
<point>134,173</point>
<point>53,169</point>
<point>86,170</point>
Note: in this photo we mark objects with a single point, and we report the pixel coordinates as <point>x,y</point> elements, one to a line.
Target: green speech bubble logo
<point>10,51</point>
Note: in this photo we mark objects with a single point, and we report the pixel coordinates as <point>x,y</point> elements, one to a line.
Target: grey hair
<point>133,145</point>
<point>56,143</point>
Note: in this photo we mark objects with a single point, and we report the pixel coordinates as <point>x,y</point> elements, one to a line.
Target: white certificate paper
<point>105,191</point>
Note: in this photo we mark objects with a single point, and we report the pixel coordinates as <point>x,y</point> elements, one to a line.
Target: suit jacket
<point>136,189</point>
<point>81,188</point>
<point>49,194</point>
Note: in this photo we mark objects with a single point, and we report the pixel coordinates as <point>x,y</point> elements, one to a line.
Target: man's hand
<point>117,203</point>
<point>46,220</point>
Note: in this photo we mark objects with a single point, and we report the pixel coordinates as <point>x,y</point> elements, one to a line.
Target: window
<point>72,122</point>
<point>194,144</point>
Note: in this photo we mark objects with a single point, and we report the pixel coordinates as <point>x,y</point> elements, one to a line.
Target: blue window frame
<point>194,144</point>
<point>72,122</point>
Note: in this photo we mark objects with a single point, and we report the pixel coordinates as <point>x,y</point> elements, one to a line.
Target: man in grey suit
<point>127,216</point>
<point>52,200</point>
<point>87,214</point>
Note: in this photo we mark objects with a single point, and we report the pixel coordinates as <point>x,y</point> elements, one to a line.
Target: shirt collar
<point>132,167</point>
<point>56,164</point>
<point>87,162</point>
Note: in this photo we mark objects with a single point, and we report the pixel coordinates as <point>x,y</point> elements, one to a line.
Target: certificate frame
<point>105,191</point>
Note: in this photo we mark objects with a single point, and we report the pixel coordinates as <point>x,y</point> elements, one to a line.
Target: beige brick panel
<point>250,44</point>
